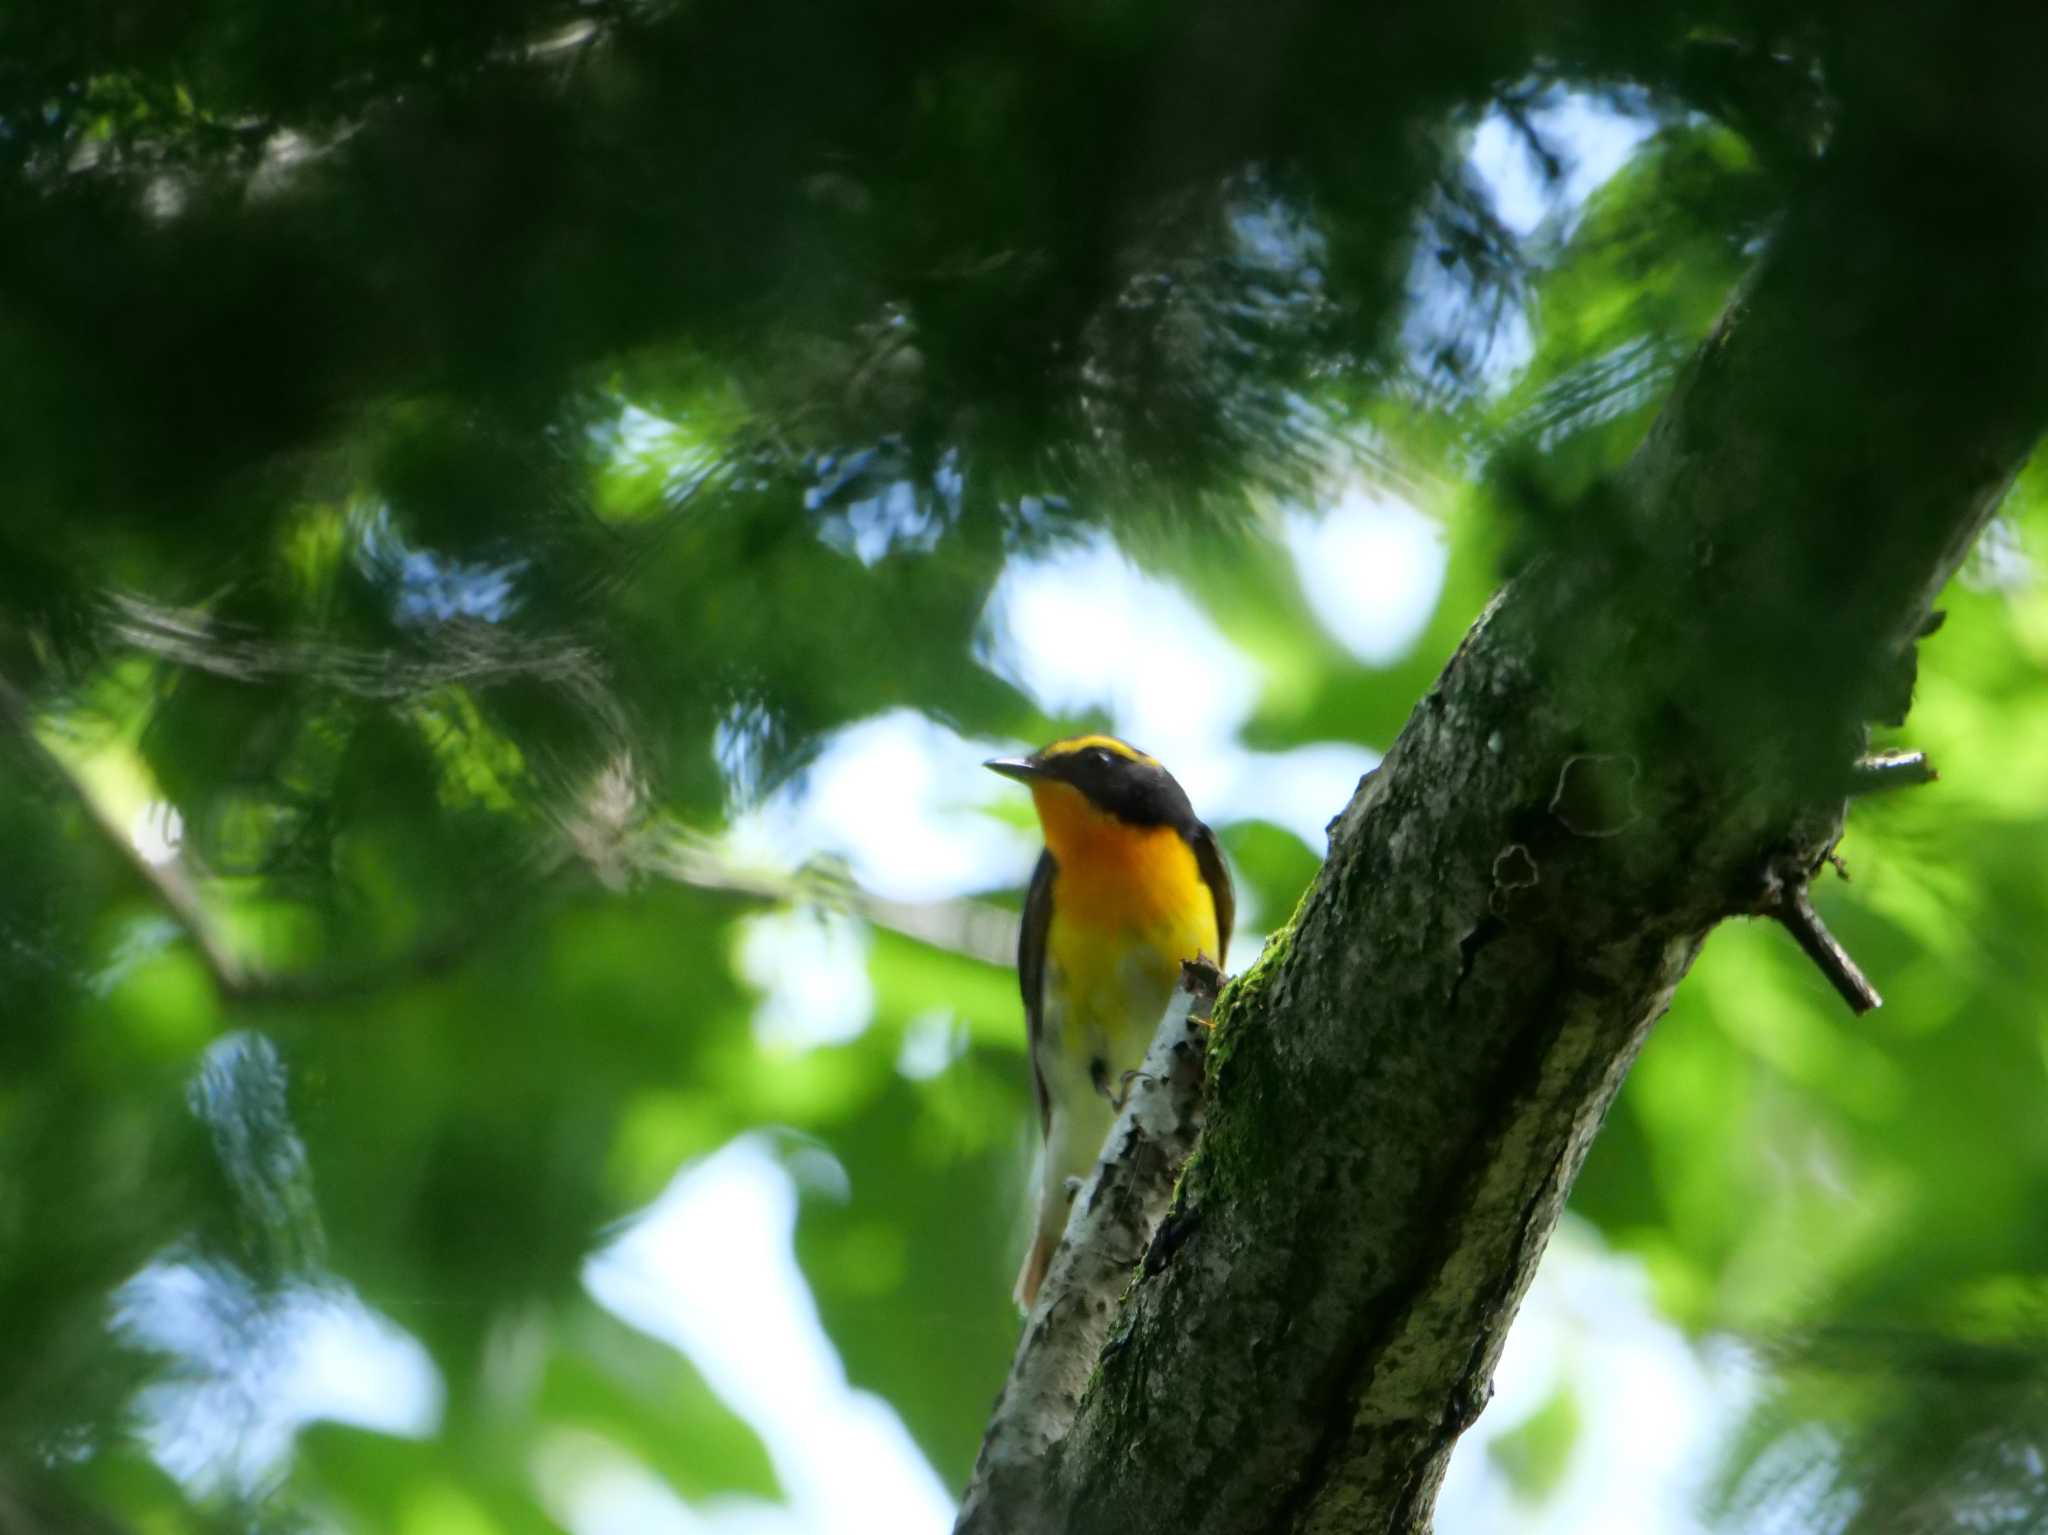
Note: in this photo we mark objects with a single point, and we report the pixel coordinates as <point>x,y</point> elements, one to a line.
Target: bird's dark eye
<point>1100,755</point>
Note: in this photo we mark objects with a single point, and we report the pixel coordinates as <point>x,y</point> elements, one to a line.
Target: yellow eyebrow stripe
<point>1074,744</point>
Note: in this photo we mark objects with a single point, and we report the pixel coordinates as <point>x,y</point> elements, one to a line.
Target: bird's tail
<point>1074,1134</point>
<point>1036,1262</point>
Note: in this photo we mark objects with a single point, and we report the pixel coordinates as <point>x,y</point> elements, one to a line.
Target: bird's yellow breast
<point>1128,905</point>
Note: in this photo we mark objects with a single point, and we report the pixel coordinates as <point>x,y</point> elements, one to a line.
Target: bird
<point>1130,884</point>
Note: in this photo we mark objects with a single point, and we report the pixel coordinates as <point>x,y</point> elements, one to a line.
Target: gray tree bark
<point>1648,732</point>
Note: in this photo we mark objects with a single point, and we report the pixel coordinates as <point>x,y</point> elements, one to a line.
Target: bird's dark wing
<point>1031,974</point>
<point>1209,859</point>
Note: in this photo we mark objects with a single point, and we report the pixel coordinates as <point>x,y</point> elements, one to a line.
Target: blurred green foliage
<point>462,458</point>
<point>1535,1455</point>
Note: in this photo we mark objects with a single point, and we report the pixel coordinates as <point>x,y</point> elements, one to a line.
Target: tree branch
<point>1626,744</point>
<point>170,881</point>
<point>1790,901</point>
<point>1891,770</point>
<point>972,928</point>
<point>1114,1223</point>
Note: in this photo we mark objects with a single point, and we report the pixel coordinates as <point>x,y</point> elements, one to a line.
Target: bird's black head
<point>1114,777</point>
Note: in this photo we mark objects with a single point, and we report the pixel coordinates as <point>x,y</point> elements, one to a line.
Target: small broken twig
<point>1788,901</point>
<point>1890,770</point>
<point>1110,1230</point>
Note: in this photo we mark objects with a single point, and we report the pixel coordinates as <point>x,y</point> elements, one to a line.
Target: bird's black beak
<point>1022,768</point>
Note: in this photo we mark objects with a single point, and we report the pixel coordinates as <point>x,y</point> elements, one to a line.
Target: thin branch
<point>1115,1223</point>
<point>1891,770</point>
<point>170,881</point>
<point>436,956</point>
<point>602,832</point>
<point>972,928</point>
<point>464,653</point>
<point>1789,902</point>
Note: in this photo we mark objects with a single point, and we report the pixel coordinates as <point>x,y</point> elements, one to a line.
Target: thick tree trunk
<point>1643,736</point>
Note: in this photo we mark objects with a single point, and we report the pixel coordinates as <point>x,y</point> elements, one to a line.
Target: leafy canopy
<point>462,457</point>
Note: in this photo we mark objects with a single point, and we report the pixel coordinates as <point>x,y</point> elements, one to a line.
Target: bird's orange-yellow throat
<point>1130,884</point>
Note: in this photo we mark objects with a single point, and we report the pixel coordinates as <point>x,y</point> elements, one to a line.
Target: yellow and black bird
<point>1130,884</point>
